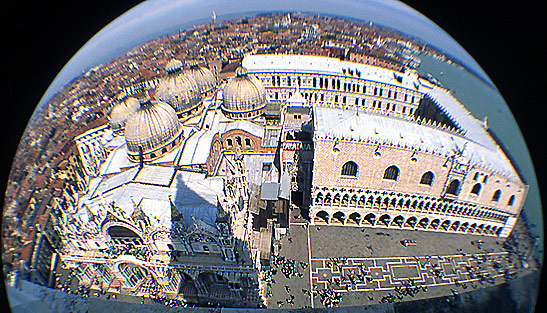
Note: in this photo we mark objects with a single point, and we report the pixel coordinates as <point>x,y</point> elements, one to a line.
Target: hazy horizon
<point>158,18</point>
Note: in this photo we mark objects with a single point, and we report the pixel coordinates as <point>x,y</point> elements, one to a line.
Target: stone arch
<point>480,228</point>
<point>322,217</point>
<point>345,200</point>
<point>498,231</point>
<point>435,223</point>
<point>119,232</point>
<point>445,224</point>
<point>350,168</point>
<point>398,220</point>
<point>134,274</point>
<point>338,217</point>
<point>424,223</point>
<point>463,227</point>
<point>370,201</point>
<point>392,173</point>
<point>378,202</point>
<point>453,187</point>
<point>385,203</point>
<point>328,199</point>
<point>336,199</point>
<point>511,200</point>
<point>445,208</point>
<point>427,178</point>
<point>319,199</point>
<point>353,201</point>
<point>187,285</point>
<point>370,219</point>
<point>455,226</point>
<point>361,202</point>
<point>400,203</point>
<point>355,217</point>
<point>407,204</point>
<point>487,229</point>
<point>472,228</point>
<point>476,189</point>
<point>411,222</point>
<point>385,219</point>
<point>393,202</point>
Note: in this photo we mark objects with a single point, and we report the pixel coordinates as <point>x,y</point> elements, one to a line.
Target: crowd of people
<point>287,266</point>
<point>329,297</point>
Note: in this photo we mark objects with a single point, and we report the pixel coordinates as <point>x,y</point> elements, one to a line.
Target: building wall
<point>372,193</point>
<point>342,90</point>
<point>373,159</point>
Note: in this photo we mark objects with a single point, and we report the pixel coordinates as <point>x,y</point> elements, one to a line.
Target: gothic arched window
<point>391,173</point>
<point>427,178</point>
<point>454,187</point>
<point>476,189</point>
<point>496,196</point>
<point>350,169</point>
<point>511,200</point>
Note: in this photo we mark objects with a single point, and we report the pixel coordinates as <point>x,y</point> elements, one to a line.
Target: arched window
<point>391,173</point>
<point>350,169</point>
<point>247,142</point>
<point>238,140</point>
<point>511,200</point>
<point>476,189</point>
<point>454,187</point>
<point>427,178</point>
<point>229,142</point>
<point>496,196</point>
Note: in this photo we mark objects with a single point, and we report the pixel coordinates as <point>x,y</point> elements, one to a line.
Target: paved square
<point>370,264</point>
<point>405,271</point>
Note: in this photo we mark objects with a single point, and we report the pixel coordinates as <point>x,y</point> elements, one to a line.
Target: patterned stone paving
<point>387,273</point>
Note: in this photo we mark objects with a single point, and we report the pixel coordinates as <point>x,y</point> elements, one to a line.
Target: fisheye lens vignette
<point>218,165</point>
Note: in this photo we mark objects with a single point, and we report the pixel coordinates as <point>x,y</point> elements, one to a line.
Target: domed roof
<point>203,76</point>
<point>153,125</point>
<point>243,93</point>
<point>122,111</point>
<point>173,66</point>
<point>179,88</point>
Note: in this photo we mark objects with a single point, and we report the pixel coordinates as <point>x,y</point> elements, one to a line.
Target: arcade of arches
<point>340,206</point>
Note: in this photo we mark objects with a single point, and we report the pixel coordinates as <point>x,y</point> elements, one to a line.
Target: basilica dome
<point>154,128</point>
<point>125,107</point>
<point>244,96</point>
<point>204,78</point>
<point>179,89</point>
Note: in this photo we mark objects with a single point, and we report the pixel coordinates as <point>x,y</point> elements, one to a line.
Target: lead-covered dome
<point>125,107</point>
<point>244,96</point>
<point>179,89</point>
<point>154,128</point>
<point>204,77</point>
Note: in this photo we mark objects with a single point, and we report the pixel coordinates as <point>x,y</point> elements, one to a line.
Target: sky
<point>155,18</point>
